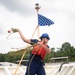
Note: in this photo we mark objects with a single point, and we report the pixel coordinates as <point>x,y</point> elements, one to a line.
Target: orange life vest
<point>39,51</point>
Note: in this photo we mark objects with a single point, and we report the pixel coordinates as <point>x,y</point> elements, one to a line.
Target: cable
<point>62,65</point>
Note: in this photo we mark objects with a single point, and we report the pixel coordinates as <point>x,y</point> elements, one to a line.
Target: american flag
<point>43,21</point>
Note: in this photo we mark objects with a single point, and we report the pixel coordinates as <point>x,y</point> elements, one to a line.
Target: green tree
<point>68,50</point>
<point>2,59</point>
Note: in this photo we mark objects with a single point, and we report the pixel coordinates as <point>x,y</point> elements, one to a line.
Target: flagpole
<point>37,9</point>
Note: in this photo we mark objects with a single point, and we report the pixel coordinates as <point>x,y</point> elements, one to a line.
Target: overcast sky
<point>22,14</point>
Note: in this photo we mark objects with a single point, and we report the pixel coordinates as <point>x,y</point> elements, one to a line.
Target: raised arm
<point>23,37</point>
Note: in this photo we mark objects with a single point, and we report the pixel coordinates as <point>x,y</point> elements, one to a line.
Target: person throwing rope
<point>38,53</point>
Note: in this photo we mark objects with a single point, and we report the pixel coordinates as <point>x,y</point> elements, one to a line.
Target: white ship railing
<point>67,69</point>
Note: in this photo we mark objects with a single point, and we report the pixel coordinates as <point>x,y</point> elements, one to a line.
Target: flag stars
<point>43,21</point>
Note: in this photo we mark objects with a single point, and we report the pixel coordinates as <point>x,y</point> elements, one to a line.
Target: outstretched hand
<point>14,30</point>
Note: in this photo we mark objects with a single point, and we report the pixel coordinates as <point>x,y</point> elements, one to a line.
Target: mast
<point>37,10</point>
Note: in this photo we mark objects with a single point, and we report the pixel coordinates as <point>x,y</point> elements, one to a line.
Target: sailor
<point>38,53</point>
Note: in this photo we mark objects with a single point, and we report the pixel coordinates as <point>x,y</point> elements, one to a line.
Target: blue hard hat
<point>45,35</point>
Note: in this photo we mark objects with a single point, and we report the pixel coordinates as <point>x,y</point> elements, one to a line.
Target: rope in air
<point>11,31</point>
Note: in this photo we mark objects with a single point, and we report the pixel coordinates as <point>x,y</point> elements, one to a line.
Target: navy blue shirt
<point>34,41</point>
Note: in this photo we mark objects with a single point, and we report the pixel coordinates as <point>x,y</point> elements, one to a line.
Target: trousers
<point>36,66</point>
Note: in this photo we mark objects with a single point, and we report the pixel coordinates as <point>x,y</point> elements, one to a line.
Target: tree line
<point>65,50</point>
